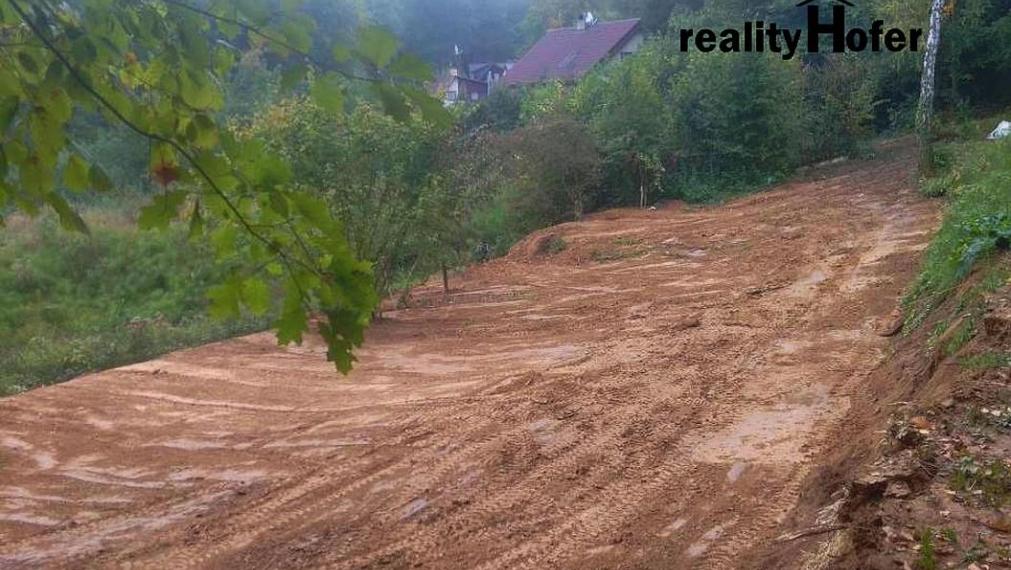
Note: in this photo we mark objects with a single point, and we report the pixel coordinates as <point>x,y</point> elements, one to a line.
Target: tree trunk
<point>445,281</point>
<point>925,111</point>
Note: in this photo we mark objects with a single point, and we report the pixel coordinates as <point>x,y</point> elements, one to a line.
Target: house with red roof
<point>566,54</point>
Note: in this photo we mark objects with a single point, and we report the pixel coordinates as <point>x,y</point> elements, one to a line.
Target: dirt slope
<point>651,397</point>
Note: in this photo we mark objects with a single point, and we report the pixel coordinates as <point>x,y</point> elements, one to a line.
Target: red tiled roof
<point>568,53</point>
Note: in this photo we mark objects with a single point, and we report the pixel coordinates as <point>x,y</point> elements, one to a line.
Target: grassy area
<point>975,177</point>
<point>70,304</point>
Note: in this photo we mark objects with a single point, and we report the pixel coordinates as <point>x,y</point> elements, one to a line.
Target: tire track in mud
<point>304,504</point>
<point>556,412</point>
<point>524,491</point>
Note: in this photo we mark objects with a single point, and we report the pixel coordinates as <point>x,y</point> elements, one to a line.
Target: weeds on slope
<point>70,304</point>
<point>976,178</point>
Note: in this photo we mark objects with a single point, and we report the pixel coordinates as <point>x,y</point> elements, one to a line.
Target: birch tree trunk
<point>925,111</point>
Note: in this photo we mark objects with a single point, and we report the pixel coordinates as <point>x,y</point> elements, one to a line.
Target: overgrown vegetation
<point>702,127</point>
<point>977,225</point>
<point>71,304</point>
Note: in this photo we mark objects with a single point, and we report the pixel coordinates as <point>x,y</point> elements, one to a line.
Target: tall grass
<point>70,304</point>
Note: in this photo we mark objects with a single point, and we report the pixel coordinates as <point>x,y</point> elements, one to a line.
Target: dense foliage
<point>155,68</point>
<point>700,126</point>
<point>71,303</point>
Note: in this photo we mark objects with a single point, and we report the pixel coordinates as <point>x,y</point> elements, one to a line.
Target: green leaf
<point>340,53</point>
<point>225,299</point>
<point>58,105</point>
<point>223,239</point>
<point>377,45</point>
<point>75,173</point>
<point>274,268</point>
<point>206,132</point>
<point>327,93</point>
<point>279,204</point>
<point>297,36</point>
<point>69,219</point>
<point>163,209</point>
<point>410,66</point>
<point>27,62</point>
<point>316,212</point>
<point>393,101</point>
<point>36,178</point>
<point>16,151</point>
<point>256,295</point>
<point>292,321</point>
<point>228,29</point>
<point>218,169</point>
<point>198,91</point>
<point>431,108</point>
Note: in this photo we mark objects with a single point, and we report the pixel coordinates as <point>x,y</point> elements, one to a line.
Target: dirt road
<point>650,397</point>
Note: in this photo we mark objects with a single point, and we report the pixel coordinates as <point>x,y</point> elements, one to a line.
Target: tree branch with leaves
<point>156,67</point>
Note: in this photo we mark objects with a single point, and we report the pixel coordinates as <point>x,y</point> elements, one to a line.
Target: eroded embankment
<point>922,478</point>
<point>653,396</point>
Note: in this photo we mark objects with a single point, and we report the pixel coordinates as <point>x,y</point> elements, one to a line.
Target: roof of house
<point>474,82</point>
<point>568,53</point>
<point>478,69</point>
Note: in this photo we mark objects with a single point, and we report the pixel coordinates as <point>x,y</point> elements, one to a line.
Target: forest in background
<point>416,197</point>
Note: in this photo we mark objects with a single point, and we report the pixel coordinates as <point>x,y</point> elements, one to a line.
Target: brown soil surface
<point>924,479</point>
<point>653,396</point>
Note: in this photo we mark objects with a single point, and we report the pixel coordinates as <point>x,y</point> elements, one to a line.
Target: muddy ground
<point>652,396</point>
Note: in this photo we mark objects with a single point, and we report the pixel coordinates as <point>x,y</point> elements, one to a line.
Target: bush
<point>840,98</point>
<point>381,178</point>
<point>556,168</point>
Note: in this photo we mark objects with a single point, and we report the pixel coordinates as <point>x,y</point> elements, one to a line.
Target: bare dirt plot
<point>651,397</point>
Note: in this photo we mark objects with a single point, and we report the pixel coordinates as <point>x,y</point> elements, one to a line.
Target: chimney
<point>453,72</point>
<point>581,22</point>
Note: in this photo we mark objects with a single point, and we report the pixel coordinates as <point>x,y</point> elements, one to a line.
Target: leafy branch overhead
<point>157,67</point>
